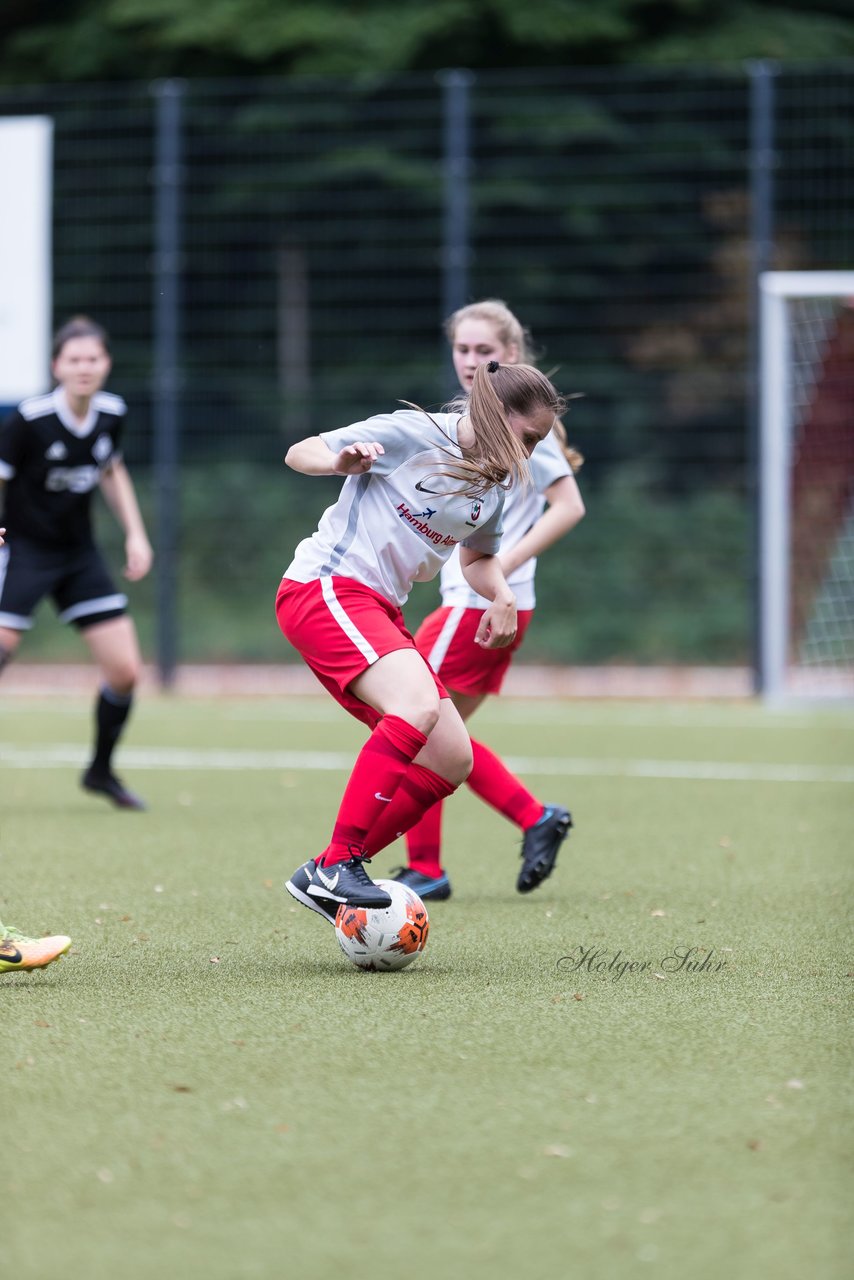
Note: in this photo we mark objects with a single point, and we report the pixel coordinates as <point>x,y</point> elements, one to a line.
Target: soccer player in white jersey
<point>417,485</point>
<point>55,450</point>
<point>535,516</point>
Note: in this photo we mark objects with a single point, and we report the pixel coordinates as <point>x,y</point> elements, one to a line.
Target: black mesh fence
<point>320,233</point>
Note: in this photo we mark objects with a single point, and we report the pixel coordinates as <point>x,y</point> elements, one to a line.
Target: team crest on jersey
<point>102,448</point>
<point>475,514</point>
<point>56,451</point>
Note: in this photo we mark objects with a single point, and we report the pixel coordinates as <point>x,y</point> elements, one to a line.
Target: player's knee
<point>466,764</point>
<point>423,714</point>
<point>122,677</point>
<point>458,761</point>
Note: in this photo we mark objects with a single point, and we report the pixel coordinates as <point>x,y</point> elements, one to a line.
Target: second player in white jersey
<point>535,516</point>
<point>523,506</point>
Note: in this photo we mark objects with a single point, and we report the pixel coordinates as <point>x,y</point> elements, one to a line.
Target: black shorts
<point>77,580</point>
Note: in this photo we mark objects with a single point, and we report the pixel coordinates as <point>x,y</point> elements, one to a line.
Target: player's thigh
<point>115,648</point>
<point>400,684</point>
<point>448,750</point>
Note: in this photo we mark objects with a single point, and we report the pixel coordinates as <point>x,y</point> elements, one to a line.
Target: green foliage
<point>759,30</point>
<point>136,39</point>
<point>645,577</point>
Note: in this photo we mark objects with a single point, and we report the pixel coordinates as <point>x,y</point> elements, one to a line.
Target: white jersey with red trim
<point>398,523</point>
<point>523,506</point>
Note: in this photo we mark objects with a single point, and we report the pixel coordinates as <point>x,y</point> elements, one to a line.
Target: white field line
<point>63,755</point>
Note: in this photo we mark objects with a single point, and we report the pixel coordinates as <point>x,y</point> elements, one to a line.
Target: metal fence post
<point>456,167</point>
<point>762,161</point>
<point>166,271</point>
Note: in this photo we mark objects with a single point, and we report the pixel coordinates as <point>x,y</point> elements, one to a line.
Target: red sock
<point>493,782</point>
<point>419,792</point>
<point>376,776</point>
<point>424,843</point>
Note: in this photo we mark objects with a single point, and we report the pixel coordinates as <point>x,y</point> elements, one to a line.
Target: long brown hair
<point>510,332</point>
<point>497,459</point>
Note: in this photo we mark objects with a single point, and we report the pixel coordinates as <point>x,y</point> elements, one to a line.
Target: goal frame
<point>776,289</point>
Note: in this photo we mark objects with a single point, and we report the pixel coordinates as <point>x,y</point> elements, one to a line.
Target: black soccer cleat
<point>107,784</point>
<point>348,882</point>
<point>298,886</point>
<point>540,847</point>
<point>437,888</point>
<point>325,888</point>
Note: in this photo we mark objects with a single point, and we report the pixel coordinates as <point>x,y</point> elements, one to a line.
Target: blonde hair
<point>510,331</point>
<point>508,328</point>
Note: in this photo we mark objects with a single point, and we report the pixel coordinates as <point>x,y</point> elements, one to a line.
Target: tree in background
<point>73,40</point>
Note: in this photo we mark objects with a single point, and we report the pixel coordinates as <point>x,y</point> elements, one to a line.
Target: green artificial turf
<point>205,1087</point>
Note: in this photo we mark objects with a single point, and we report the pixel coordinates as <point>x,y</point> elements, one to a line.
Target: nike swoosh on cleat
<point>379,796</point>
<point>12,956</point>
<point>329,881</point>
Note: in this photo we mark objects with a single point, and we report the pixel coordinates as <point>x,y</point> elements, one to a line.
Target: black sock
<point>111,712</point>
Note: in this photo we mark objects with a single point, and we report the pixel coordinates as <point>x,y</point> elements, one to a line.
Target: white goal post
<point>806,484</point>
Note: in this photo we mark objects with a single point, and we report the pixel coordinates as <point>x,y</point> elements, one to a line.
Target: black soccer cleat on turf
<point>540,847</point>
<point>438,888</point>
<point>298,887</point>
<point>107,784</point>
<point>324,889</point>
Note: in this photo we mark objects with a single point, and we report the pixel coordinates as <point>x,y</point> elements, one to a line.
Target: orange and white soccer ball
<point>382,938</point>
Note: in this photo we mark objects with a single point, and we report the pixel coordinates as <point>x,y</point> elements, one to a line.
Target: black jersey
<point>51,464</point>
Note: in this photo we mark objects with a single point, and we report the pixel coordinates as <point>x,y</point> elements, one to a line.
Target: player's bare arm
<point>313,457</point>
<point>120,495</point>
<point>565,509</point>
<point>498,624</point>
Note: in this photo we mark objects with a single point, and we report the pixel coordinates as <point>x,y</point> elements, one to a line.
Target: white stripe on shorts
<point>346,623</point>
<point>86,607</point>
<point>438,653</point>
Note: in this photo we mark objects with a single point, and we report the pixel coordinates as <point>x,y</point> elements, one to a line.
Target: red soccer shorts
<point>340,628</point>
<point>446,639</point>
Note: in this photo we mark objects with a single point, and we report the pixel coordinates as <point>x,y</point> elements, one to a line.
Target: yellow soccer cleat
<point>19,953</point>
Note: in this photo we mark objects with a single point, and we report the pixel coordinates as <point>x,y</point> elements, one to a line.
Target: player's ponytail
<point>499,390</point>
<point>497,458</point>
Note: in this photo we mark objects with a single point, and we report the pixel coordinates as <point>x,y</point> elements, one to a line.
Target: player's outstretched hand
<point>354,459</point>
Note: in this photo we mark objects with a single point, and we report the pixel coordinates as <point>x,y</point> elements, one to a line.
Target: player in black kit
<point>55,450</point>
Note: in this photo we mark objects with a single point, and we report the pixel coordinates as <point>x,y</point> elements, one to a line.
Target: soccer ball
<point>382,938</point>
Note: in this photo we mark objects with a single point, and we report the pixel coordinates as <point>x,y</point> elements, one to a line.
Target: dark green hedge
<point>646,577</point>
